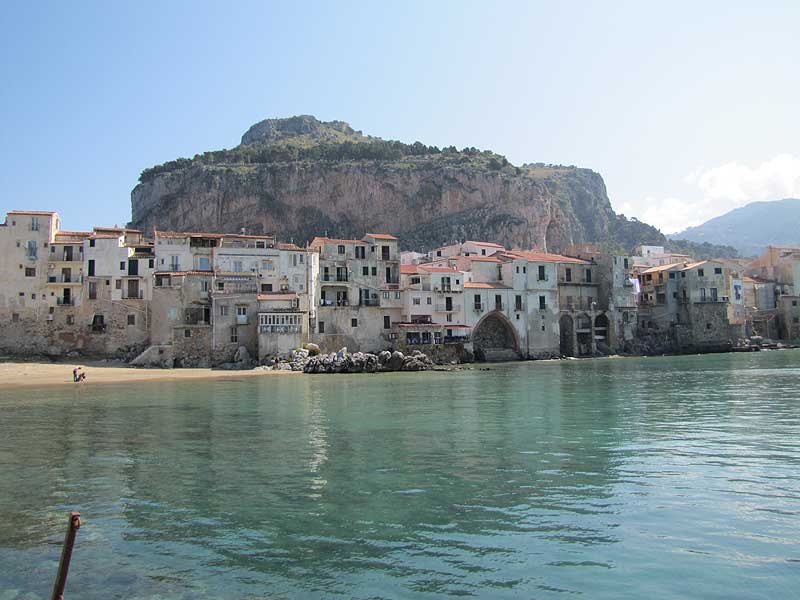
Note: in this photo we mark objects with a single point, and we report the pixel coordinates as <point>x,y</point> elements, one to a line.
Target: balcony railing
<point>370,302</point>
<point>445,308</point>
<point>65,301</point>
<point>477,307</point>
<point>334,277</point>
<point>133,296</point>
<point>445,289</point>
<point>499,306</point>
<point>334,303</point>
<point>65,279</point>
<point>280,328</point>
<point>237,289</point>
<point>577,304</point>
<point>456,339</point>
<point>576,281</point>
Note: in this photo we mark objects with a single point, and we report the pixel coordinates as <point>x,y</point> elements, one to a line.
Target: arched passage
<point>583,329</point>
<point>602,334</point>
<point>566,336</point>
<point>494,338</point>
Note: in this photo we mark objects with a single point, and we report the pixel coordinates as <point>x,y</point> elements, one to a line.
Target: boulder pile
<point>356,362</point>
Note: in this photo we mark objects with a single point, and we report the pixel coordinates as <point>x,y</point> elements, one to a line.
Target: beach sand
<point>37,374</point>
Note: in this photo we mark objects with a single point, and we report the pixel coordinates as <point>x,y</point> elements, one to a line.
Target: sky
<point>687,109</point>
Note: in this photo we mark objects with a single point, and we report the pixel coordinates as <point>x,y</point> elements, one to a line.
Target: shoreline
<point>24,374</point>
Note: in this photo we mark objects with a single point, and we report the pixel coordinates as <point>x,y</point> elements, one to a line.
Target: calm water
<point>620,478</point>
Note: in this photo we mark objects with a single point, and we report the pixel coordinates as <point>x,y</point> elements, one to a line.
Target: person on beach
<point>78,375</point>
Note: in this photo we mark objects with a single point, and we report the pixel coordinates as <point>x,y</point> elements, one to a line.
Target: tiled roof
<point>487,244</point>
<point>381,236</point>
<point>125,229</point>
<point>326,240</point>
<point>188,234</point>
<point>283,246</point>
<point>437,269</point>
<point>31,212</point>
<point>486,285</point>
<point>662,268</point>
<point>544,257</point>
<point>74,233</point>
<point>409,269</point>
<point>492,259</point>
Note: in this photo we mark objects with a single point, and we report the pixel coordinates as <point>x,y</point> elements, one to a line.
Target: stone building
<point>358,292</point>
<point>789,311</point>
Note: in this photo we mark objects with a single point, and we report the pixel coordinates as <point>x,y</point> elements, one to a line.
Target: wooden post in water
<point>66,555</point>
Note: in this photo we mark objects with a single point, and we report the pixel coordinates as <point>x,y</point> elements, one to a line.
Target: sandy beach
<point>37,374</point>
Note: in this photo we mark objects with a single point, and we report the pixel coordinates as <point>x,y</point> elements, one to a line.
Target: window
<point>524,269</point>
<point>517,268</point>
<point>397,295</point>
<point>683,274</point>
<point>701,273</point>
<point>794,302</point>
<point>374,271</point>
<point>237,266</point>
<point>713,294</point>
<point>542,302</point>
<point>361,251</point>
<point>449,317</point>
<point>70,319</point>
<point>302,258</point>
<point>223,310</point>
<point>708,325</point>
<point>353,322</point>
<point>122,265</point>
<point>118,284</point>
<point>365,271</point>
<point>517,302</point>
<point>34,223</point>
<point>187,333</point>
<point>241,311</point>
<point>30,272</point>
<point>131,319</point>
<point>321,327</point>
<point>625,263</point>
<point>150,263</point>
<point>588,276</point>
<point>266,287</point>
<point>14,317</point>
<point>672,275</point>
<point>717,270</point>
<point>91,243</point>
<point>204,264</point>
<point>483,251</point>
<point>702,294</point>
<point>340,249</point>
<point>541,276</point>
<point>30,249</point>
<point>92,290</point>
<point>234,334</point>
<point>429,300</point>
<point>415,301</point>
<point>385,295</point>
<point>568,274</point>
<point>33,296</point>
<point>387,322</point>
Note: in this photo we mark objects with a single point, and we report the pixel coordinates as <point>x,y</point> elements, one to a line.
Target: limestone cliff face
<point>425,198</point>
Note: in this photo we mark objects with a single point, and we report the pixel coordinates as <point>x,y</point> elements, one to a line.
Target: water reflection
<point>603,478</point>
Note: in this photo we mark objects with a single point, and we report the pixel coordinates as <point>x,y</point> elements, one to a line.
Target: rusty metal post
<point>66,555</point>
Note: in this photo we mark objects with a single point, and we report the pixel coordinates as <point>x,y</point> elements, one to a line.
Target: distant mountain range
<point>751,228</point>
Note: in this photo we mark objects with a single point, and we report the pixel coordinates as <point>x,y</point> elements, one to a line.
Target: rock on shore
<point>356,362</point>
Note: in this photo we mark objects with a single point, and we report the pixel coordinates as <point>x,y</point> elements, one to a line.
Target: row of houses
<point>201,298</point>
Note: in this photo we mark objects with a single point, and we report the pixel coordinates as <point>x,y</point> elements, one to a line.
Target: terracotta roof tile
<point>486,285</point>
<point>381,236</point>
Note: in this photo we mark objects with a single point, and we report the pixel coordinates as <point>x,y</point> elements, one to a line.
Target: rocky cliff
<point>299,177</point>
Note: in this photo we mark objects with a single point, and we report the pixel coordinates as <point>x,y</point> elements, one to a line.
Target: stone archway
<point>566,336</point>
<point>494,339</point>
<point>602,334</point>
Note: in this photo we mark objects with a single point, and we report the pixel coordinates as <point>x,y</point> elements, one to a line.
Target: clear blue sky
<point>686,109</point>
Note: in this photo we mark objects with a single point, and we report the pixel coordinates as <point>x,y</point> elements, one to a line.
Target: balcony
<point>478,307</point>
<point>334,303</point>
<point>242,320</point>
<point>280,329</point>
<point>65,301</point>
<point>65,279</point>
<point>340,277</point>
<point>499,306</point>
<point>133,295</point>
<point>445,308</point>
<point>236,289</point>
<point>577,304</point>
<point>575,281</point>
<point>456,339</point>
<point>443,289</point>
<point>370,302</point>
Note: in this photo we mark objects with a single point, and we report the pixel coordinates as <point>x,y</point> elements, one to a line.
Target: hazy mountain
<point>751,228</point>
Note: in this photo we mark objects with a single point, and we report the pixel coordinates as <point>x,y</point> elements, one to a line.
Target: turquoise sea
<point>674,477</point>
